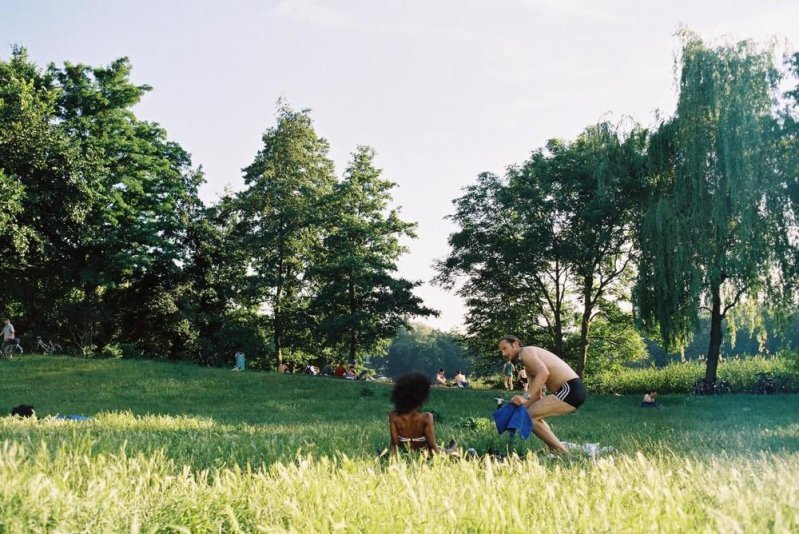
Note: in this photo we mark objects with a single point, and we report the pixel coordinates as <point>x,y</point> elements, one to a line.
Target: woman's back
<point>413,429</point>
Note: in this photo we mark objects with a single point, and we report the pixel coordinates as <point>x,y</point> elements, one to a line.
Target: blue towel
<point>514,419</point>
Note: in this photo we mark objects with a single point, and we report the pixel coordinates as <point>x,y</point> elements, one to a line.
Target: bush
<point>112,351</point>
<point>740,373</point>
<point>129,351</point>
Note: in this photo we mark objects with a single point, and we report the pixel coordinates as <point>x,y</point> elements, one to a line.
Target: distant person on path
<point>410,428</point>
<point>8,333</point>
<point>507,375</point>
<point>545,369</point>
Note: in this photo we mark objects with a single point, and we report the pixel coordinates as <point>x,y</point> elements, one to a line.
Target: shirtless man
<point>544,369</point>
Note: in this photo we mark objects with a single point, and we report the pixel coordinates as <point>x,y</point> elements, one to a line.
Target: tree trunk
<point>585,323</point>
<point>353,327</point>
<point>558,336</point>
<point>715,335</point>
<point>278,325</point>
<point>353,345</point>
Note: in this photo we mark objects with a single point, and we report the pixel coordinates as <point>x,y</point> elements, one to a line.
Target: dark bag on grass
<point>23,410</point>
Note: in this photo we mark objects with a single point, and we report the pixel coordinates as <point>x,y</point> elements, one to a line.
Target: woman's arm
<point>392,428</point>
<point>430,432</point>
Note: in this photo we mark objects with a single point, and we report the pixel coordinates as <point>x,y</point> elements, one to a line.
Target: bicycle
<point>47,348</point>
<point>765,385</point>
<point>11,346</point>
<point>702,387</point>
<point>204,360</point>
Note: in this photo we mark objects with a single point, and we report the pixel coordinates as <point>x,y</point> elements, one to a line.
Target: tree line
<point>107,247</point>
<point>587,248</point>
<point>628,230</point>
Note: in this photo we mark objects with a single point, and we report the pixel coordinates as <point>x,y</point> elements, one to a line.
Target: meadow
<point>179,448</point>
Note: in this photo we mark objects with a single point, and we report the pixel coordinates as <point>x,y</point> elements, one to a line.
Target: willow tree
<point>715,230</point>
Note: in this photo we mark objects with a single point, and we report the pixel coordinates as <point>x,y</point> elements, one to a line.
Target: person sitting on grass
<point>441,379</point>
<point>523,378</point>
<point>460,380</point>
<point>340,370</point>
<point>411,429</point>
<point>351,374</point>
<point>650,400</point>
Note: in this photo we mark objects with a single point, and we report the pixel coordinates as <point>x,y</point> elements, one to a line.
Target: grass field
<point>175,447</point>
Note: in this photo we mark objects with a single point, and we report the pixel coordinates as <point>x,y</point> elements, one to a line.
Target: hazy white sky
<point>442,89</point>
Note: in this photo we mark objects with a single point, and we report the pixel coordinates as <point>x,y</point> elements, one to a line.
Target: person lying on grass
<point>411,429</point>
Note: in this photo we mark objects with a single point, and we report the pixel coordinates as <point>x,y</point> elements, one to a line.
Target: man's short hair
<point>510,339</point>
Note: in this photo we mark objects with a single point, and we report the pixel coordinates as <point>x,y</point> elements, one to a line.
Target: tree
<point>359,301</point>
<point>142,190</point>
<point>592,189</point>
<point>425,350</point>
<point>105,196</point>
<point>49,194</point>
<point>280,219</point>
<point>557,228</point>
<point>718,224</point>
<point>507,285</point>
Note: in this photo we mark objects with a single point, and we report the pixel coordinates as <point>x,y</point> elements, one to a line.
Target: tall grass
<point>179,448</point>
<point>70,490</point>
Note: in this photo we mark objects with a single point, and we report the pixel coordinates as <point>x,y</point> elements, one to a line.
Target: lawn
<point>175,447</point>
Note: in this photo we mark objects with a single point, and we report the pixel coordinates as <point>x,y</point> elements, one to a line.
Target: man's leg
<point>550,406</point>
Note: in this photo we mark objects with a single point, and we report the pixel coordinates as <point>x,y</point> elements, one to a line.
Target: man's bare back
<point>559,371</point>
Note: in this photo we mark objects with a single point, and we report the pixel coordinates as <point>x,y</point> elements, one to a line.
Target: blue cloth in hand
<point>513,419</point>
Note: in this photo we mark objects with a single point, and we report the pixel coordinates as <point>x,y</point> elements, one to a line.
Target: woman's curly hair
<point>410,392</point>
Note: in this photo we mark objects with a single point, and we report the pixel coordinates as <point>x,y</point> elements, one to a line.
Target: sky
<point>442,89</point>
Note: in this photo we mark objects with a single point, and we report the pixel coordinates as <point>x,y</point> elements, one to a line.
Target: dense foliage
<point>108,249</point>
<point>696,217</point>
<point>596,247</point>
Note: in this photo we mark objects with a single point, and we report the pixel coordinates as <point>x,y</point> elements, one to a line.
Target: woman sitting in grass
<point>650,400</point>
<point>410,428</point>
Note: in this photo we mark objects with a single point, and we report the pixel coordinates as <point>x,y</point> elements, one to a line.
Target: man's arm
<point>533,365</point>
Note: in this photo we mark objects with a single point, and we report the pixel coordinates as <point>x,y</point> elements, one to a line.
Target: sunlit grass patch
<point>257,452</point>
